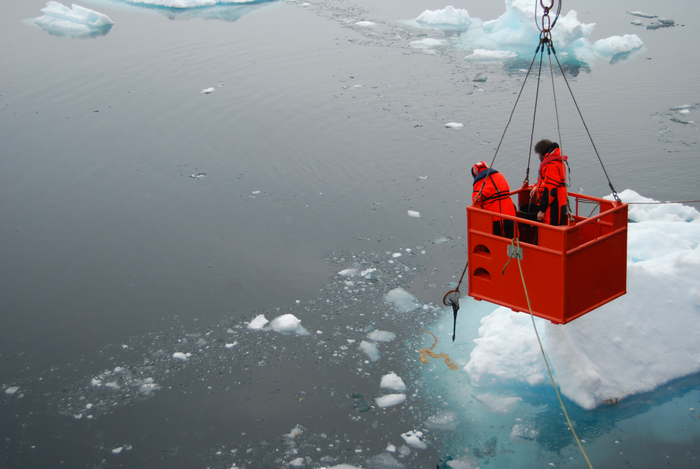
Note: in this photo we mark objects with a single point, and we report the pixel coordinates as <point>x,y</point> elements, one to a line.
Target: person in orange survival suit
<point>492,191</point>
<point>551,184</point>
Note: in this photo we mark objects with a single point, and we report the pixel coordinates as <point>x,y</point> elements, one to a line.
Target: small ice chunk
<point>95,382</point>
<point>454,125</point>
<point>484,55</point>
<point>640,14</point>
<point>117,450</point>
<point>180,356</point>
<point>288,324</point>
<point>443,421</point>
<point>524,431</point>
<point>351,272</point>
<point>232,344</point>
<point>403,301</point>
<point>391,448</point>
<point>207,90</point>
<point>370,274</point>
<point>390,400</point>
<point>370,349</point>
<point>298,462</point>
<point>258,323</point>
<point>617,45</point>
<point>414,214</point>
<point>392,381</point>
<point>381,336</point>
<point>414,439</point>
<point>365,24</point>
<point>480,78</point>
<point>12,390</point>
<point>428,42</point>
<point>396,254</point>
<point>296,431</point>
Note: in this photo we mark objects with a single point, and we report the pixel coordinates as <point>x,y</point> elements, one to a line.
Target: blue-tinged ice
<point>402,301</point>
<point>444,421</point>
<point>60,20</point>
<point>629,346</point>
<point>515,33</point>
<point>188,3</point>
<point>370,350</point>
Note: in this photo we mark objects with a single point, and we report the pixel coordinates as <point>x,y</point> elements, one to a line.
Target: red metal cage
<point>568,270</point>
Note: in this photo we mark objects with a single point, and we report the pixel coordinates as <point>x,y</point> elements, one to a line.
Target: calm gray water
<point>111,254</point>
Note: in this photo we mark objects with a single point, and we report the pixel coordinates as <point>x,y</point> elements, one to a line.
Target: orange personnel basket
<point>568,270</point>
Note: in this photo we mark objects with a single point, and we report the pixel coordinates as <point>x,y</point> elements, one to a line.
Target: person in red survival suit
<point>492,191</point>
<point>551,184</point>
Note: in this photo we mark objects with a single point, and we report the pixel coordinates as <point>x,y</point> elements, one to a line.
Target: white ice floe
<point>402,301</point>
<point>390,400</point>
<point>117,450</point>
<point>428,43</point>
<point>448,18</point>
<point>617,45</point>
<point>393,382</point>
<point>365,24</point>
<point>454,125</point>
<point>413,214</point>
<point>484,55</point>
<point>258,323</point>
<point>11,389</point>
<point>181,356</point>
<point>631,345</point>
<point>288,324</point>
<point>370,350</point>
<point>207,90</point>
<point>381,336</point>
<point>60,20</point>
<point>414,439</point>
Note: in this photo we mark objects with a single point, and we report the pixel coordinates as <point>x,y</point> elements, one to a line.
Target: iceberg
<point>515,33</point>
<point>226,10</point>
<point>629,346</point>
<point>188,3</point>
<point>448,18</point>
<point>60,20</point>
